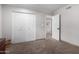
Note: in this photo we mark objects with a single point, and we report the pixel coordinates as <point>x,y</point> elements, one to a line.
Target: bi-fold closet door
<point>23,27</point>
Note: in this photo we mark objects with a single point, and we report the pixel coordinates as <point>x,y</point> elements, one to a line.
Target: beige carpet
<point>42,46</point>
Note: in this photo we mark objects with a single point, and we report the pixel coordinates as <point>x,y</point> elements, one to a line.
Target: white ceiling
<point>44,8</point>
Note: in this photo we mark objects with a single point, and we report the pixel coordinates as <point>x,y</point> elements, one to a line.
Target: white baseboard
<point>72,42</point>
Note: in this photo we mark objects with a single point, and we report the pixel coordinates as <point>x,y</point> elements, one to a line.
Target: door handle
<point>58,28</point>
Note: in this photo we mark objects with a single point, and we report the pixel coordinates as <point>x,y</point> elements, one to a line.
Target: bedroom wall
<point>69,24</point>
<point>6,22</point>
<point>0,21</point>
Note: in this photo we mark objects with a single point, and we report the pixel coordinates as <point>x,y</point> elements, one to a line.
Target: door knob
<point>58,28</point>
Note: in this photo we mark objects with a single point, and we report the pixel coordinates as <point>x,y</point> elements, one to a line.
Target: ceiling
<point>44,8</point>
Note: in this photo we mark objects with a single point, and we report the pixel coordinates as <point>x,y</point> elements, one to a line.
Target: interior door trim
<point>59,27</point>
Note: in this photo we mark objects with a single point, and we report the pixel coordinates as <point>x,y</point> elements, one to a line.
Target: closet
<point>23,27</point>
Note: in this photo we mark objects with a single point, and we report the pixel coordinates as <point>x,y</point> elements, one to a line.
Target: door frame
<point>59,27</point>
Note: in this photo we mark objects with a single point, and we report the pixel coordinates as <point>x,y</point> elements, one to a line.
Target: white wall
<point>0,21</point>
<point>7,21</point>
<point>70,24</point>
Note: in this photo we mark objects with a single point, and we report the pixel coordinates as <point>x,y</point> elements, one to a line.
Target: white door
<point>55,27</point>
<point>23,27</point>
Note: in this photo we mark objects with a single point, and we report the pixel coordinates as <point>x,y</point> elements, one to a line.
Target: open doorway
<point>56,27</point>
